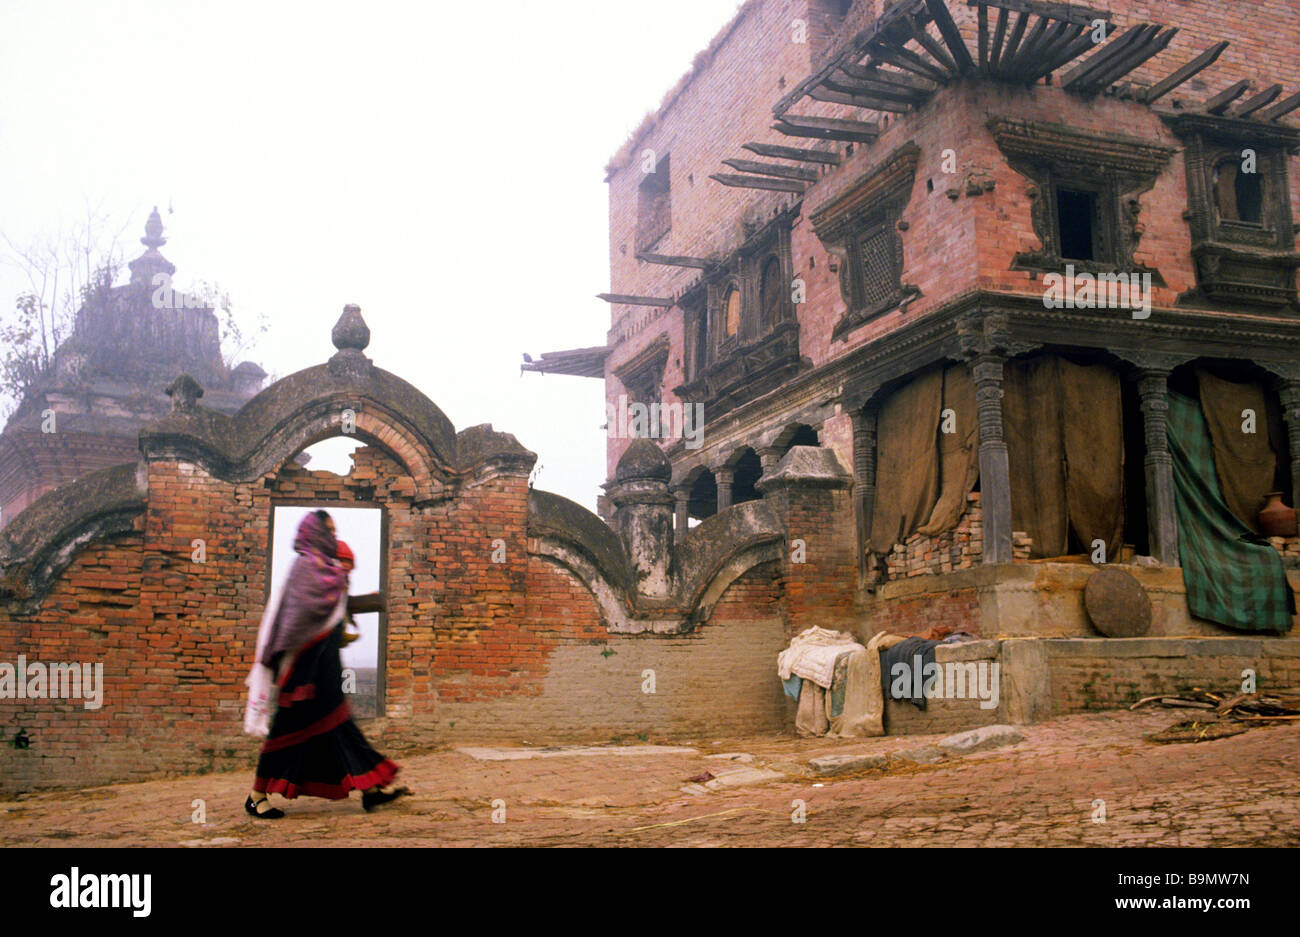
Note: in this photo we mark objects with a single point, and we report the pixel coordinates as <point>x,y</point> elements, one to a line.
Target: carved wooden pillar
<point>995,470</point>
<point>1162,518</point>
<point>1289,393</point>
<point>724,477</point>
<point>864,472</point>
<point>681,515</point>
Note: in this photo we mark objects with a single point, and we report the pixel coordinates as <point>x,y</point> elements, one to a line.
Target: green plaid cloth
<point>1232,576</point>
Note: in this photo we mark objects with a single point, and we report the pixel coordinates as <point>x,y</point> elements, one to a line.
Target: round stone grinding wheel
<point>1117,604</point>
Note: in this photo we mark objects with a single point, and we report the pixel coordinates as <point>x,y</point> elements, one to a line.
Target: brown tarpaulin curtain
<point>1065,445</point>
<point>907,466</point>
<point>959,464</point>
<point>1245,463</point>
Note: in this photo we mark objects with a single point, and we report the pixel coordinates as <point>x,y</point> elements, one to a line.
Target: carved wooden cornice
<point>1067,146</point>
<point>891,181</point>
<point>1232,129</point>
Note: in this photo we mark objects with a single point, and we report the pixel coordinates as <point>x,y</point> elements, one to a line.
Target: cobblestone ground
<point>1237,791</point>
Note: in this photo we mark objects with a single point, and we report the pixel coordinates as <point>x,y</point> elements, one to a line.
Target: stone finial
<point>643,460</point>
<point>153,229</point>
<point>351,331</point>
<point>184,392</point>
<point>151,263</point>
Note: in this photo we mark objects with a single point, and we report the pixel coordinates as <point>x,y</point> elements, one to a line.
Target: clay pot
<point>1275,518</point>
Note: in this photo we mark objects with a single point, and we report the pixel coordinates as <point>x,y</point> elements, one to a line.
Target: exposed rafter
<point>1251,105</point>
<point>1192,68</point>
<point>698,263</point>
<point>793,152</point>
<point>773,169</point>
<point>627,300</point>
<point>1219,103</point>
<point>758,182</point>
<point>829,128</point>
<point>1282,108</point>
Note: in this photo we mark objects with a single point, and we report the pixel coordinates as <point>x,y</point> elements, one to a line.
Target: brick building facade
<point>935,162</point>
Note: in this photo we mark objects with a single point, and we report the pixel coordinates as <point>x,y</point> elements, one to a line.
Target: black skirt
<point>314,748</point>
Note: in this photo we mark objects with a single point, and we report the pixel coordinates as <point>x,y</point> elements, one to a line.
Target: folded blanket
<point>812,654</point>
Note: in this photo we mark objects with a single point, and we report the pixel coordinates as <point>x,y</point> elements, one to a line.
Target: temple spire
<point>150,263</point>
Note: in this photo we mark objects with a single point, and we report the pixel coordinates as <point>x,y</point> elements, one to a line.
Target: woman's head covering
<point>314,537</point>
<point>345,554</point>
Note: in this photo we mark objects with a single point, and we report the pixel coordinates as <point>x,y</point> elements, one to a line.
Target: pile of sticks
<point>1256,708</point>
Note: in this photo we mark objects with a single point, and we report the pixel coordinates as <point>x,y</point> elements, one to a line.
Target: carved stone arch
<point>305,408</point>
<point>702,604</point>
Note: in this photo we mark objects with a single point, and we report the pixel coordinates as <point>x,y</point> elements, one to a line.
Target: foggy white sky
<point>439,164</point>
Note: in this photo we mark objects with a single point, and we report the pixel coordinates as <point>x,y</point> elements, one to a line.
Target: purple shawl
<point>311,592</point>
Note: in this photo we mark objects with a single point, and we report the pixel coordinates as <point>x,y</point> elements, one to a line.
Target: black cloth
<point>903,653</point>
<point>314,748</point>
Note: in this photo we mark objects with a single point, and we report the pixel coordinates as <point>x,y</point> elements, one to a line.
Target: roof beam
<point>1066,43</point>
<point>776,151</point>
<point>1281,108</point>
<point>951,34</point>
<point>902,81</point>
<point>628,300</point>
<point>1028,50</point>
<point>1013,42</point>
<point>908,60</point>
<point>758,182</point>
<point>1192,68</point>
<point>828,128</point>
<point>934,47</point>
<point>667,260</point>
<point>1073,13</point>
<point>999,34</point>
<point>1081,75</point>
<point>859,100</point>
<point>1219,103</point>
<point>1251,105</point>
<point>773,169</point>
<point>1151,46</point>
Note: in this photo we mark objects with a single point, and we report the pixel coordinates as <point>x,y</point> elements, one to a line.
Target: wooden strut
<point>1188,71</point>
<point>627,300</point>
<point>776,151</point>
<point>1283,107</point>
<point>1219,103</point>
<point>758,182</point>
<point>951,34</point>
<point>828,128</point>
<point>1081,75</point>
<point>858,100</point>
<point>667,260</point>
<point>1067,44</point>
<point>1151,46</point>
<point>773,169</point>
<point>1028,49</point>
<point>1251,105</point>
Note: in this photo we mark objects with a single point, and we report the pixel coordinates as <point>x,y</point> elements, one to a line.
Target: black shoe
<point>274,813</point>
<point>371,801</point>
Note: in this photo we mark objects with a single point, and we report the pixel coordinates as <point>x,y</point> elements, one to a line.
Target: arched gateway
<point>511,612</point>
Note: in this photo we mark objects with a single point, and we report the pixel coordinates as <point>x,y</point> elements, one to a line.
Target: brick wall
<point>513,648</point>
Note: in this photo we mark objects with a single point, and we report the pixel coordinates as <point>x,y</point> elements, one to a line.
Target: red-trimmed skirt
<point>314,747</point>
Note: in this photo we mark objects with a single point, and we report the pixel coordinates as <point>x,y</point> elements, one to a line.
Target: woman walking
<point>313,747</point>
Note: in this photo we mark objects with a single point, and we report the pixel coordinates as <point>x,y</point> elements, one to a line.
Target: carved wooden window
<point>731,313</point>
<point>874,266</point>
<point>1238,195</point>
<point>861,227</point>
<point>1242,239</point>
<point>1086,193</point>
<point>654,216</point>
<point>772,293</point>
